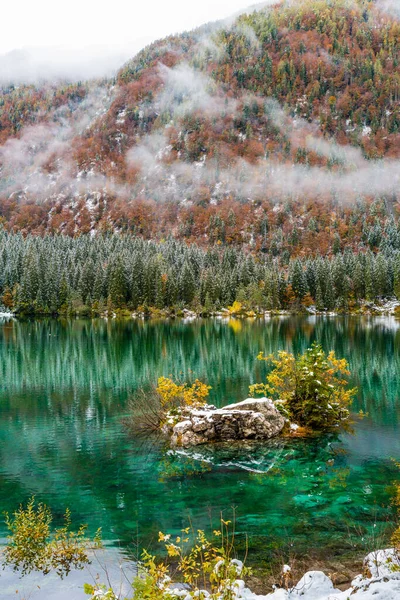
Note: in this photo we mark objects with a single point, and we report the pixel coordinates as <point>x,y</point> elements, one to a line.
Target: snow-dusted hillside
<point>293,107</point>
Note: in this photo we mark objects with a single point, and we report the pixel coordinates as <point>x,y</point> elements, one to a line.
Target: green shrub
<point>310,389</point>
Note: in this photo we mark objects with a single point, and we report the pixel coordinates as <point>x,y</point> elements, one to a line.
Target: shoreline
<point>362,576</point>
<point>388,309</point>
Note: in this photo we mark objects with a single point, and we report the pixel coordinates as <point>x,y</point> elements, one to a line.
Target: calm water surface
<point>64,392</point>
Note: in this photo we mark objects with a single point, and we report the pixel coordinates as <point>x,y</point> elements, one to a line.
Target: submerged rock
<point>252,419</point>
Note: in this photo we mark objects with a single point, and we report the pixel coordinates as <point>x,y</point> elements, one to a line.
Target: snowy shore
<point>379,581</point>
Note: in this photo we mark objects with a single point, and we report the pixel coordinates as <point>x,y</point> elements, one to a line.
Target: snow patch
<point>381,581</point>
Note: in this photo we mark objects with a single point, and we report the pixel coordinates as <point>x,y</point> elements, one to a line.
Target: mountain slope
<point>277,131</point>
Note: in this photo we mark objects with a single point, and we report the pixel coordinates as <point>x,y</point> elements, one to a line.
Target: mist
<point>390,6</point>
<point>187,90</point>
<point>162,174</point>
<point>266,179</point>
<point>39,163</point>
<point>38,65</point>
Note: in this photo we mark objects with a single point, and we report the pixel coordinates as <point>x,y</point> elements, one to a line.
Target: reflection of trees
<point>54,356</point>
<point>64,386</point>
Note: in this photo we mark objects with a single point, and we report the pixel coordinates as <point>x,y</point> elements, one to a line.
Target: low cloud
<point>187,90</point>
<point>392,7</point>
<point>36,65</point>
<point>181,181</point>
<point>39,162</point>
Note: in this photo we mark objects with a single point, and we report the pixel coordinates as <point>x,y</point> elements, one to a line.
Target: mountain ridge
<point>282,124</point>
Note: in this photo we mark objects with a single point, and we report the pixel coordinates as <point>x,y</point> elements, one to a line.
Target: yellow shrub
<point>168,390</point>
<point>236,308</point>
<point>207,565</point>
<point>309,389</point>
<point>171,392</point>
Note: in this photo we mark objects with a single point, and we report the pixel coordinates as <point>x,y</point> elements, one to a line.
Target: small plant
<point>310,390</point>
<point>33,547</point>
<point>236,309</point>
<point>207,567</point>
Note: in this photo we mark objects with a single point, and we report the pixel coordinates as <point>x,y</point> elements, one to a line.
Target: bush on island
<point>311,389</point>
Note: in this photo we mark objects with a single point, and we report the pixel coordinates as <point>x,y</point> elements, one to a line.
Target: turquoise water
<point>64,392</point>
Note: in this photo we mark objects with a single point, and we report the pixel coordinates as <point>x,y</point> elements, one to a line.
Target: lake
<point>65,388</point>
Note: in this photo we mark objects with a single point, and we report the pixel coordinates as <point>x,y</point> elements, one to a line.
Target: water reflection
<point>64,390</point>
<point>106,564</point>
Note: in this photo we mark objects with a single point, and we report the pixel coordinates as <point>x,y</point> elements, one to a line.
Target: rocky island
<point>251,419</point>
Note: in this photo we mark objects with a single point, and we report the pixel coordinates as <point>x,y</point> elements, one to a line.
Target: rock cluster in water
<point>252,419</point>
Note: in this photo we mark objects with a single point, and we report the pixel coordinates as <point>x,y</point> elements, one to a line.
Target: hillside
<point>278,131</point>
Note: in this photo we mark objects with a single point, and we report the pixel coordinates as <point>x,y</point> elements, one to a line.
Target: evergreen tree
<point>298,280</point>
<point>340,282</point>
<point>118,284</point>
<point>359,281</point>
<point>187,286</point>
<point>396,269</point>
<point>311,278</point>
<point>370,290</point>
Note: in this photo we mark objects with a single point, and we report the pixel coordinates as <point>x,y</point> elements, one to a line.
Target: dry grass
<point>146,412</point>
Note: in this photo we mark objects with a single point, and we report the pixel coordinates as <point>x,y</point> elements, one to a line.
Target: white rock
<point>382,563</point>
<point>382,582</point>
<point>314,585</point>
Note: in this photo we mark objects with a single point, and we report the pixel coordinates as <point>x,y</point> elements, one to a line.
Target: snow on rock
<point>121,117</point>
<point>388,307</point>
<point>257,404</point>
<point>314,585</point>
<point>382,563</point>
<point>254,418</point>
<point>380,581</point>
